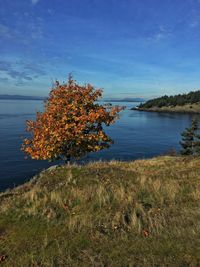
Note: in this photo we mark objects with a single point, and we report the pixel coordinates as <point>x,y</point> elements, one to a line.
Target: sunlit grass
<point>141,213</point>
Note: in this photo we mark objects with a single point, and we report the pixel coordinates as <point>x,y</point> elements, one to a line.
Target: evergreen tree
<point>197,144</point>
<point>180,100</point>
<point>190,140</point>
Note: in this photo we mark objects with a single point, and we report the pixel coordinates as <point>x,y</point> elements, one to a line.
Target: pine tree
<point>197,144</point>
<point>190,140</point>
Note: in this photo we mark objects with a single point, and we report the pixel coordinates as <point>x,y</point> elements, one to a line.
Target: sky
<point>130,48</point>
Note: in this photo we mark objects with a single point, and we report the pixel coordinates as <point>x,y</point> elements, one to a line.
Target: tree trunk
<point>67,160</point>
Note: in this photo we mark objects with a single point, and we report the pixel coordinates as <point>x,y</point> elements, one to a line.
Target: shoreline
<point>159,110</point>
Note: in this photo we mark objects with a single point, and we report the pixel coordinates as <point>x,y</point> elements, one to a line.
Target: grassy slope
<point>189,108</point>
<point>142,213</point>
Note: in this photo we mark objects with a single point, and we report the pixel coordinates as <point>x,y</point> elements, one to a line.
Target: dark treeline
<point>177,100</point>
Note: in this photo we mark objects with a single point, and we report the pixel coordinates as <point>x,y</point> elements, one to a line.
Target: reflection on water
<point>136,135</point>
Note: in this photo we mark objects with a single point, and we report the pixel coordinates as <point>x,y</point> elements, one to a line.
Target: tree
<point>71,124</point>
<point>197,143</point>
<point>190,140</point>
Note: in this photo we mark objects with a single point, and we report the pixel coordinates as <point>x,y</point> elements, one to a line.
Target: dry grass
<point>188,108</point>
<point>141,213</point>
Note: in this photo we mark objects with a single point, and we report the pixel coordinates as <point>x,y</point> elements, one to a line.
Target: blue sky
<point>130,48</point>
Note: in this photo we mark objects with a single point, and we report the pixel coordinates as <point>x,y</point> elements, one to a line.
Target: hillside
<point>179,103</point>
<point>141,213</point>
<point>20,97</point>
<point>128,99</point>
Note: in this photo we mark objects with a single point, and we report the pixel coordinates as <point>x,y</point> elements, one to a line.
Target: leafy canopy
<point>71,124</point>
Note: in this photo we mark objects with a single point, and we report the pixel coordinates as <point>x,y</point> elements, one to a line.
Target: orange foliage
<point>71,124</point>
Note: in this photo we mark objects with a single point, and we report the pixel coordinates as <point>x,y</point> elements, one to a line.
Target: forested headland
<point>178,103</point>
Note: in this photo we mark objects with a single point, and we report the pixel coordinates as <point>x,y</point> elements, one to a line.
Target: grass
<point>188,108</point>
<point>141,213</point>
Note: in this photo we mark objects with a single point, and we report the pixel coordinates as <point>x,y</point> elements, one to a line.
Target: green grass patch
<point>141,213</point>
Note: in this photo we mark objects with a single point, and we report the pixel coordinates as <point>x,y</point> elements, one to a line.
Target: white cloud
<point>161,34</point>
<point>4,31</point>
<point>32,31</point>
<point>34,2</point>
<point>195,21</point>
<point>194,24</point>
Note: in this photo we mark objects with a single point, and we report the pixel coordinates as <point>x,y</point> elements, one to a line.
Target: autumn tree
<point>71,124</point>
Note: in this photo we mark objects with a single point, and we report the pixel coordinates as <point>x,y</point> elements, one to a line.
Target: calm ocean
<point>136,135</point>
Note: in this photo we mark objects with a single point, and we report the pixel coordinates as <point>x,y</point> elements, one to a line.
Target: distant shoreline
<point>177,109</point>
<point>35,99</point>
<point>20,97</point>
<point>181,103</point>
<point>124,100</point>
